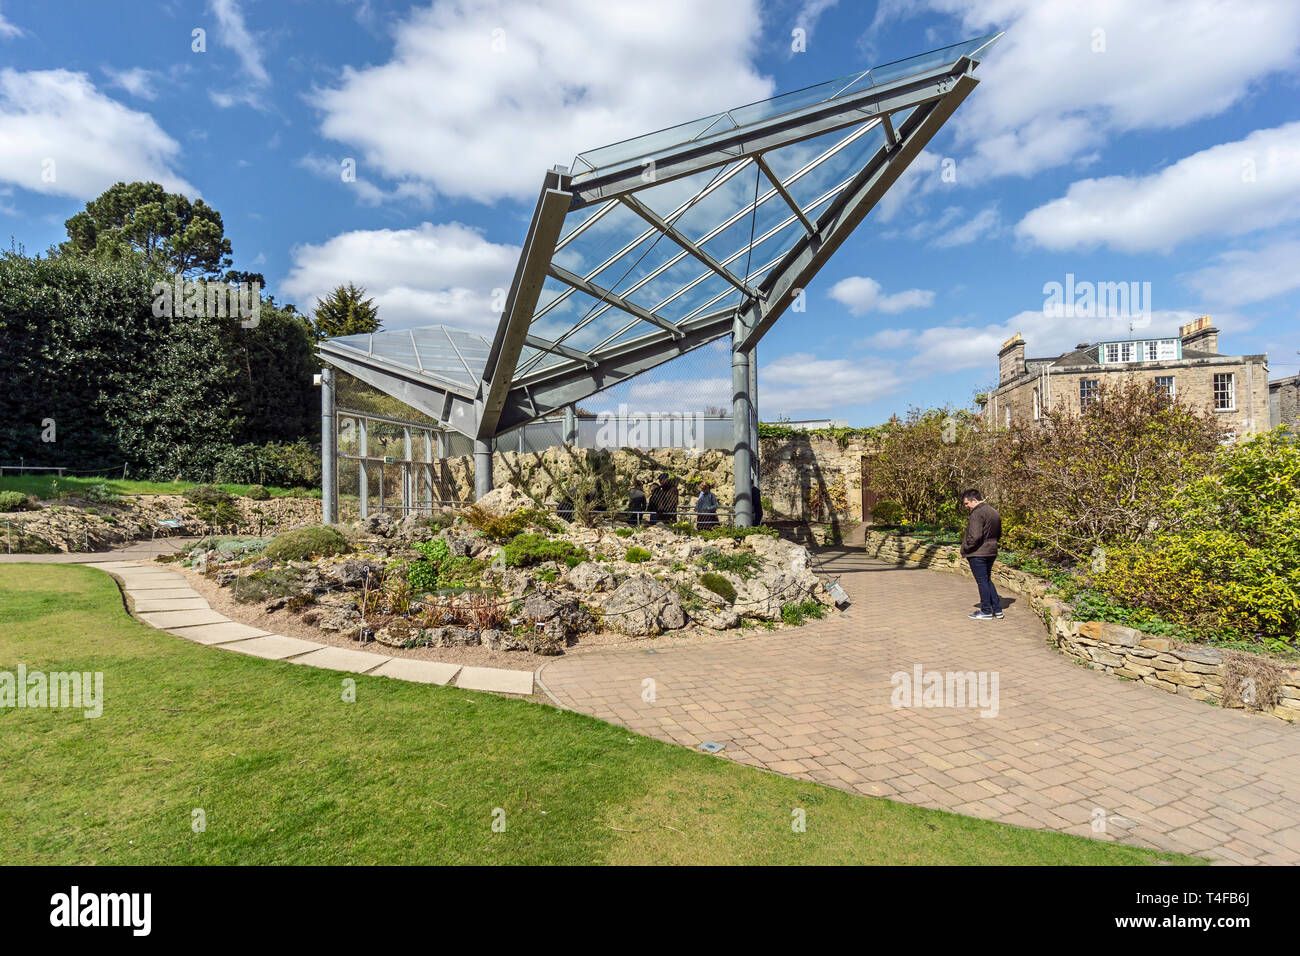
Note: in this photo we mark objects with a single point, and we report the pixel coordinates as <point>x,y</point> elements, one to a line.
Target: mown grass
<point>48,486</point>
<point>286,771</point>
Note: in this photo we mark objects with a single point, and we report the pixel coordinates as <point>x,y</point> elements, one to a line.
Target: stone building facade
<point>1189,367</point>
<point>1284,401</point>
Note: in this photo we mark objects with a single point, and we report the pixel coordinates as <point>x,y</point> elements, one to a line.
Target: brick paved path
<point>1066,743</point>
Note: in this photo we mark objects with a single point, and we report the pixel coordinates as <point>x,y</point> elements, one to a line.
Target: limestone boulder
<point>643,607</point>
<point>590,578</point>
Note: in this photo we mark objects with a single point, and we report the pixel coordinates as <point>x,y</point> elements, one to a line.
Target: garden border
<point>1200,673</point>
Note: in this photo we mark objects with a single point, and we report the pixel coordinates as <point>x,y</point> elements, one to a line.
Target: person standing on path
<point>663,500</point>
<point>979,546</point>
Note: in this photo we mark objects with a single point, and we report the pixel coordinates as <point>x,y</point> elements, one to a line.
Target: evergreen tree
<point>345,311</point>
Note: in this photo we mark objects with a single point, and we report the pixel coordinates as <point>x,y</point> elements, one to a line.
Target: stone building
<point>1188,367</point>
<point>1284,402</point>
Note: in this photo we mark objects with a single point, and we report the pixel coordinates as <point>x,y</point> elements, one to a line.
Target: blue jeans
<point>982,568</point>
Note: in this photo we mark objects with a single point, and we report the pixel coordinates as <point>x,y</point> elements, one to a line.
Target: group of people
<point>662,504</point>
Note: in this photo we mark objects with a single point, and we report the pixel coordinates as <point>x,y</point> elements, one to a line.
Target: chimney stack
<point>1200,335</point>
<point>1011,359</point>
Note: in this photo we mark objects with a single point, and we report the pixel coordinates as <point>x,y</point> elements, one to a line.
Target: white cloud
<point>1047,99</point>
<point>61,136</point>
<point>666,396</point>
<point>1250,275</point>
<point>579,74</point>
<point>136,81</point>
<point>1231,188</point>
<point>7,29</point>
<point>801,382</point>
<point>441,274</point>
<point>367,192</point>
<point>863,294</point>
<point>233,33</point>
<point>983,224</point>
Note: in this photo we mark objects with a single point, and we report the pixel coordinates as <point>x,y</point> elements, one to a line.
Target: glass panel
<point>624,153</point>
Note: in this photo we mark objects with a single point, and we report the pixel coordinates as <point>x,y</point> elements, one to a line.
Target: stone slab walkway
<point>162,598</point>
<point>1069,749</point>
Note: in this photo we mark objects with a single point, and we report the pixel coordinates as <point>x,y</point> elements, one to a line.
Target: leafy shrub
<point>264,585</point>
<point>745,564</point>
<point>422,576</point>
<point>99,492</point>
<point>286,464</point>
<point>796,612</point>
<point>319,541</point>
<point>887,513</point>
<point>625,532</point>
<point>207,495</point>
<point>737,533</point>
<point>1076,481</point>
<point>1229,558</point>
<point>635,555</point>
<point>258,493</point>
<point>719,585</point>
<point>503,529</point>
<point>435,551</point>
<point>527,549</point>
<point>14,501</point>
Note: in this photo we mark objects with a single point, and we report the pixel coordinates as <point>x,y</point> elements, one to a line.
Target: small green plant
<point>435,551</point>
<point>320,541</point>
<point>206,495</point>
<point>742,563</point>
<point>100,493</point>
<point>532,548</point>
<point>719,585</point>
<point>635,555</point>
<point>264,585</point>
<point>625,532</point>
<point>504,529</point>
<point>422,577</point>
<point>737,533</point>
<point>258,493</point>
<point>796,612</point>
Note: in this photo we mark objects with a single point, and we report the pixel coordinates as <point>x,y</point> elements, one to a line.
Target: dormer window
<point>1150,350</point>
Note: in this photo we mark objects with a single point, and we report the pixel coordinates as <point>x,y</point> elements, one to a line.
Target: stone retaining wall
<point>1201,673</point>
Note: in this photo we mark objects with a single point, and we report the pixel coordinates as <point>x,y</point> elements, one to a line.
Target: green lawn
<point>49,486</point>
<point>287,772</point>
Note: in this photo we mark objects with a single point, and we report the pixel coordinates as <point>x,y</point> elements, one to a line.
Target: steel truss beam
<point>521,303</point>
<point>784,130</point>
<point>835,224</point>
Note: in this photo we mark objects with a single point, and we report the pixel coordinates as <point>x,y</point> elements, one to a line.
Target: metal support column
<point>740,434</point>
<point>329,459</point>
<point>363,479</point>
<point>754,463</point>
<point>482,468</point>
<point>408,475</point>
<point>570,426</point>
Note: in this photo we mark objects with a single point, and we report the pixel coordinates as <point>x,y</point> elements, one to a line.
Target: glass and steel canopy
<point>646,249</point>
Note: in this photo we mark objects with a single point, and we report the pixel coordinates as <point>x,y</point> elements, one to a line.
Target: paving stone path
<point>1069,749</point>
<point>164,599</point>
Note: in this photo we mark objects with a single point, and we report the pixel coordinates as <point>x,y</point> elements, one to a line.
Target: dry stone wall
<point>809,480</point>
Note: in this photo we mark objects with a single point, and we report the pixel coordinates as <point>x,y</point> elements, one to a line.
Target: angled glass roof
<point>701,130</point>
<point>657,245</point>
<point>447,355</point>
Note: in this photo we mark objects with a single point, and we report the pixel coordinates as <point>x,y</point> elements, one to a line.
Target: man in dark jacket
<point>979,546</point>
<point>663,500</point>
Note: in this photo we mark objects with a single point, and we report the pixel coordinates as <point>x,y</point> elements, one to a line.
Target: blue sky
<point>1156,142</point>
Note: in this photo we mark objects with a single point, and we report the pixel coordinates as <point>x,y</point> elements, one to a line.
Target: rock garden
<point>504,575</point>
